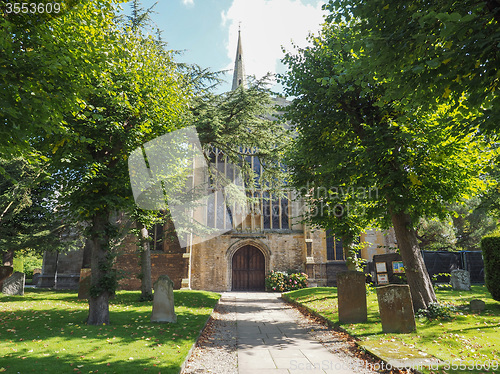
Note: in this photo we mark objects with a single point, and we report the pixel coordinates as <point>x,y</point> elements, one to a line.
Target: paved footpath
<point>270,341</point>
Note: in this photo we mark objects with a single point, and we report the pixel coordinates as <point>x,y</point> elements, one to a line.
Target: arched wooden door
<point>249,269</point>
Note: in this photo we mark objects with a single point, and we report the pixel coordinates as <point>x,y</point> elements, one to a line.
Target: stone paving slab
<point>268,342</point>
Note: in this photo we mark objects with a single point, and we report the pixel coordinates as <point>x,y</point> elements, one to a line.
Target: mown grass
<point>45,332</point>
<point>467,337</point>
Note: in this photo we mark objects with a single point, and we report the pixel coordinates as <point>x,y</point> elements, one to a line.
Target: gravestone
<point>477,305</point>
<point>351,291</point>
<point>36,278</point>
<point>460,280</point>
<point>84,283</point>
<point>396,308</point>
<point>5,272</point>
<point>163,300</point>
<point>14,285</point>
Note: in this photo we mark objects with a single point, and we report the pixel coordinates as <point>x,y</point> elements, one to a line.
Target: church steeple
<point>239,67</point>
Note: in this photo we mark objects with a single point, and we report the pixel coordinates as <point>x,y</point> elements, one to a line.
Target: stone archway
<point>248,263</point>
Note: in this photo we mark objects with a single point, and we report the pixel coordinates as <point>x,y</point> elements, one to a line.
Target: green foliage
<point>351,141</point>
<point>285,281</point>
<point>240,124</point>
<point>29,219</point>
<point>490,245</point>
<point>436,311</point>
<point>463,229</point>
<point>47,62</point>
<point>31,262</point>
<point>18,264</point>
<point>428,53</point>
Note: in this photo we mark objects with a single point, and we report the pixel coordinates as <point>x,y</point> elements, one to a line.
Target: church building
<point>269,238</point>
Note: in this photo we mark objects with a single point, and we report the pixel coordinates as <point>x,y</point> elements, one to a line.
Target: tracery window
<point>266,212</point>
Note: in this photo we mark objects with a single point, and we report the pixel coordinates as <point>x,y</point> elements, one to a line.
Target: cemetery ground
<point>466,338</point>
<point>44,331</point>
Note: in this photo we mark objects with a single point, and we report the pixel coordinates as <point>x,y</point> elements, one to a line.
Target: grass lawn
<point>44,331</point>
<point>471,339</point>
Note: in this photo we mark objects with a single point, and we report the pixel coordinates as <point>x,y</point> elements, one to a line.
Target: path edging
<point>334,326</point>
<point>191,350</point>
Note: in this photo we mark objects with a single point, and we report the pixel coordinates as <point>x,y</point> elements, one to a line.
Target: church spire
<point>239,68</point>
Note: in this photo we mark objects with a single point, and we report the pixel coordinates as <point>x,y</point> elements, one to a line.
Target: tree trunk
<point>146,283</point>
<point>8,258</point>
<point>100,265</point>
<point>349,253</point>
<point>422,292</point>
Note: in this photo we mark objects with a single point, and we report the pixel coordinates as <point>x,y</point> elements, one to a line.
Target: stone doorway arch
<point>248,262</point>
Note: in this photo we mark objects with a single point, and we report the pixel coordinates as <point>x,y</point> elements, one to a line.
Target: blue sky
<point>207,30</point>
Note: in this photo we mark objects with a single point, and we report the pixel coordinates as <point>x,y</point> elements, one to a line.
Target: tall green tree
<point>138,94</point>
<point>349,136</point>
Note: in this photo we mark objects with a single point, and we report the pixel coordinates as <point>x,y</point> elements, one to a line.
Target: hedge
<point>490,245</point>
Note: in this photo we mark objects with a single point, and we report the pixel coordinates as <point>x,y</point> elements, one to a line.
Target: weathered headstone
<point>35,279</point>
<point>351,291</point>
<point>36,276</point>
<point>5,272</point>
<point>477,305</point>
<point>14,285</point>
<point>84,284</point>
<point>460,280</point>
<point>396,308</point>
<point>163,300</point>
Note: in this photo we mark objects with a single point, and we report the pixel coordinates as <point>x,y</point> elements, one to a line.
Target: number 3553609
<point>17,8</point>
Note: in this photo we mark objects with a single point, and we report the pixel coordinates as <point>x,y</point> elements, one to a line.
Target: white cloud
<point>266,26</point>
<point>188,2</point>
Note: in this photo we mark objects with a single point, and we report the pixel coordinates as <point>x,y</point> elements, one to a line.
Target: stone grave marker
<point>477,305</point>
<point>84,283</point>
<point>351,291</point>
<point>163,300</point>
<point>5,272</point>
<point>36,278</point>
<point>14,285</point>
<point>460,280</point>
<point>396,308</point>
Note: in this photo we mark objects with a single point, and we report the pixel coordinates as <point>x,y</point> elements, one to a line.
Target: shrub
<point>436,311</point>
<point>490,245</point>
<point>282,281</point>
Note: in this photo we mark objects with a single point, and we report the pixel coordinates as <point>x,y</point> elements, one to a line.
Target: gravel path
<point>217,350</point>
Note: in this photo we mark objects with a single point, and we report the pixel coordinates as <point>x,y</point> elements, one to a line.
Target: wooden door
<point>248,269</point>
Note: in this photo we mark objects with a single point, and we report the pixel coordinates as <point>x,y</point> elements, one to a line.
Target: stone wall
<point>169,261</point>
<point>212,259</point>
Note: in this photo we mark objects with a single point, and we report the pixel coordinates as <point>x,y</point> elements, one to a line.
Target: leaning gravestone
<point>396,308</point>
<point>351,291</point>
<point>163,300</point>
<point>5,272</point>
<point>14,285</point>
<point>460,280</point>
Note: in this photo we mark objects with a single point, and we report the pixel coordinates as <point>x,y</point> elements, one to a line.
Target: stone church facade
<point>269,238</point>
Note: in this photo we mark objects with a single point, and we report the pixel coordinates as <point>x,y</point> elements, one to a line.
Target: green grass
<point>467,336</point>
<point>45,332</point>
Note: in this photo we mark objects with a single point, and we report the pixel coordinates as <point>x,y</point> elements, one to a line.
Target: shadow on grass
<point>57,340</point>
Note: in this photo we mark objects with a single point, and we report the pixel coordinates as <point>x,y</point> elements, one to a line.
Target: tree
<point>47,59</point>
<point>29,218</point>
<point>462,229</point>
<point>138,94</point>
<point>349,136</point>
<point>432,52</point>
